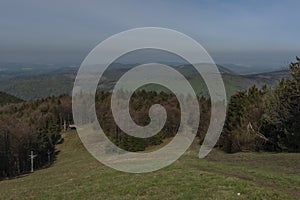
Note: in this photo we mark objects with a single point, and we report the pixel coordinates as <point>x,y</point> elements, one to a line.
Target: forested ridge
<point>264,119</point>
<point>7,98</point>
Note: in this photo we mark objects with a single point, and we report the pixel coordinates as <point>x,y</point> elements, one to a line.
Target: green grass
<point>77,175</point>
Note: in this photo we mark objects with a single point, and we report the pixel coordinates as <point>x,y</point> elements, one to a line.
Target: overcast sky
<point>240,32</point>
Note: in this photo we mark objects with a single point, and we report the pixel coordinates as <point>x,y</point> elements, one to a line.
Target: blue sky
<point>240,32</point>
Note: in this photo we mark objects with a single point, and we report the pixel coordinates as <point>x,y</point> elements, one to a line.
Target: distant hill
<point>60,81</point>
<point>245,70</point>
<point>39,86</point>
<point>269,78</point>
<point>7,98</point>
<point>9,70</point>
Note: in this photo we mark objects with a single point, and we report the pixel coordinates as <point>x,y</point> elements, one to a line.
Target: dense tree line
<point>30,126</point>
<point>266,119</point>
<point>140,103</point>
<point>36,126</point>
<point>7,98</point>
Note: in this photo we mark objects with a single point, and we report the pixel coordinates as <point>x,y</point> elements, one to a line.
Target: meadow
<point>75,174</point>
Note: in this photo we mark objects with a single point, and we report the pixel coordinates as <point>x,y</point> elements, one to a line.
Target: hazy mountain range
<point>40,81</point>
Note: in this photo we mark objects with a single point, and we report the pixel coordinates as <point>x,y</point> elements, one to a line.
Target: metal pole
<point>65,126</point>
<point>31,159</point>
<point>49,158</point>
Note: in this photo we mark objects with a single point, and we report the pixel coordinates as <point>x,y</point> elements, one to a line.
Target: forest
<point>258,119</point>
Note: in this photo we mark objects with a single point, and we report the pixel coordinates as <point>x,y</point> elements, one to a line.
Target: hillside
<point>60,81</point>
<point>7,98</point>
<point>77,175</point>
<point>269,77</point>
